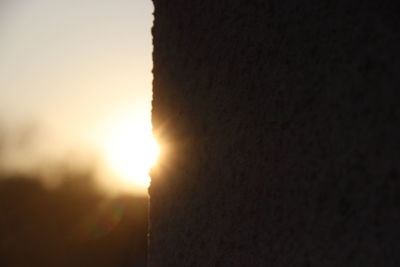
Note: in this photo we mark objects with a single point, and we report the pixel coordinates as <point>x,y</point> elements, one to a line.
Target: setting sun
<point>131,151</point>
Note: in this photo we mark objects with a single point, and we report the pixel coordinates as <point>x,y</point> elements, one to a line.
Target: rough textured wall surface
<point>280,127</point>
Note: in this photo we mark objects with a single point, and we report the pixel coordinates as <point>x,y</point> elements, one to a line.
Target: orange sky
<point>73,67</point>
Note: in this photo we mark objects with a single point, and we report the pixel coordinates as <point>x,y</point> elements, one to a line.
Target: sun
<point>131,150</point>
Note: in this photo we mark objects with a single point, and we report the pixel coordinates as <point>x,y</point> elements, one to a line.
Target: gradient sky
<point>73,66</point>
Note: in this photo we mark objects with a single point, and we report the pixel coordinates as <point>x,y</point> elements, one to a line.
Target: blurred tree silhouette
<point>72,224</point>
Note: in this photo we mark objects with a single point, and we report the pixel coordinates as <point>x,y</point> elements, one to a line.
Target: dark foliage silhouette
<point>70,225</point>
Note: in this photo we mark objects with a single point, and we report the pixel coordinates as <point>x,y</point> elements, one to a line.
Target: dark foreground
<point>71,225</point>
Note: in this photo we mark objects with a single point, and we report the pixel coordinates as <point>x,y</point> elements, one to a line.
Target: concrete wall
<point>280,126</point>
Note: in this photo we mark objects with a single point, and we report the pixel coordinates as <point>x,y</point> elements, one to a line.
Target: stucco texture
<point>279,122</point>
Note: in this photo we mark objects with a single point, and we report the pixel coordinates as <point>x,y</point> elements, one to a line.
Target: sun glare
<point>131,151</point>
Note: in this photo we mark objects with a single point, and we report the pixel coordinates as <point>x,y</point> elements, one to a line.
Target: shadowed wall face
<point>280,126</point>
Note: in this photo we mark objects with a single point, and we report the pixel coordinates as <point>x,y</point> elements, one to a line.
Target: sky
<point>72,70</point>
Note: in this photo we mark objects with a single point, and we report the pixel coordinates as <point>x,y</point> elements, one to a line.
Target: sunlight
<point>131,151</point>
